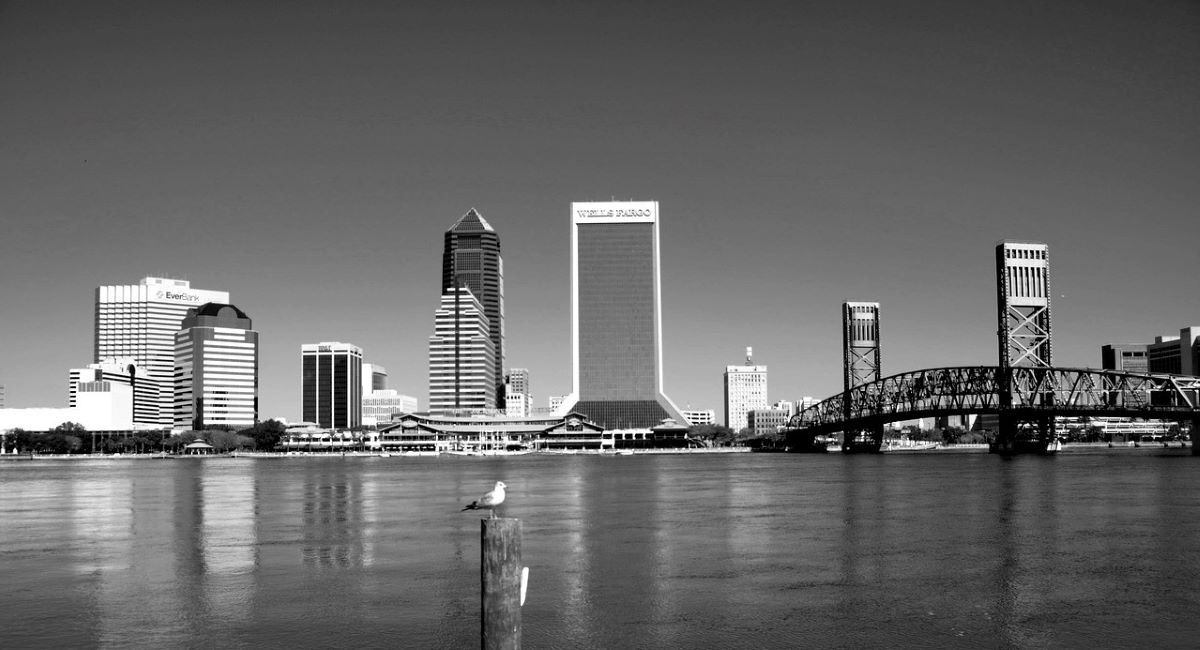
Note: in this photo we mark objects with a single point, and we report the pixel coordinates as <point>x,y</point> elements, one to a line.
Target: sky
<point>306,157</point>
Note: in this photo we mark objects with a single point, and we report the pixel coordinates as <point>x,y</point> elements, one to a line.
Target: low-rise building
<point>698,417</point>
<point>762,422</point>
<point>422,432</point>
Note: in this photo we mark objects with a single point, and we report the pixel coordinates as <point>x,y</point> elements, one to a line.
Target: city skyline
<point>308,164</point>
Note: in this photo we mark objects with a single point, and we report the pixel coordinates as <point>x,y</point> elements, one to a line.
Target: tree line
<point>73,438</point>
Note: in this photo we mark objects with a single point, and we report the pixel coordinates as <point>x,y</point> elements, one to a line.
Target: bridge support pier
<point>863,441</point>
<point>1024,434</point>
<point>1195,432</point>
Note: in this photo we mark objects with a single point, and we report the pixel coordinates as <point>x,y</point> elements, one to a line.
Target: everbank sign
<point>610,211</point>
<point>167,295</point>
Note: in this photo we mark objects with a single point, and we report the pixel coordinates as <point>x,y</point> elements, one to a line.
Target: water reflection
<point>752,551</point>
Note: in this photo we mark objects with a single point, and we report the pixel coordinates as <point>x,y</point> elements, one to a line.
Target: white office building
<point>121,370</point>
<point>139,321</point>
<point>380,406</point>
<point>216,369</point>
<point>745,391</point>
<point>697,417</point>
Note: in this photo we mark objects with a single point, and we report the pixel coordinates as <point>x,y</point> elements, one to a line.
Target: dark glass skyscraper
<point>471,258</point>
<point>331,385</point>
<point>616,315</point>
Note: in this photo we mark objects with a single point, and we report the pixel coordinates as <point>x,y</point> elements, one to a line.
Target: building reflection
<point>332,517</point>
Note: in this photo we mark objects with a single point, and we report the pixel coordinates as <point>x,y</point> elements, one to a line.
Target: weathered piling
<point>500,577</point>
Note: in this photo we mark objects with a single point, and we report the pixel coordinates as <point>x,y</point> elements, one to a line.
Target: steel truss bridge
<point>1026,399</point>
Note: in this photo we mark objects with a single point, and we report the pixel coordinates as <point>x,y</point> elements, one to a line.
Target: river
<point>1082,550</point>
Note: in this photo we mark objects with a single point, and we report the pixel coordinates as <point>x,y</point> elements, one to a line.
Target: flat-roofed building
<point>1125,357</point>
<point>331,384</point>
<point>762,422</point>
<point>124,370</point>
<point>745,391</point>
<point>379,407</point>
<point>616,316</point>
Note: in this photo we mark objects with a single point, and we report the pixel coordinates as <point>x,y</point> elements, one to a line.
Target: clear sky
<point>307,157</point>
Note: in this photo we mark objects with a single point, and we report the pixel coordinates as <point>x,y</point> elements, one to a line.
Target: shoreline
<point>369,454</point>
<point>1067,448</point>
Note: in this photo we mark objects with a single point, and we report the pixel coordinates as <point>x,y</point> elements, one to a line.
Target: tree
<point>70,428</point>
<point>712,434</point>
<point>265,434</point>
<point>951,435</point>
<point>19,440</point>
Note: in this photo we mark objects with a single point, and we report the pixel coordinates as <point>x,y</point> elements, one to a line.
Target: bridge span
<point>1026,399</point>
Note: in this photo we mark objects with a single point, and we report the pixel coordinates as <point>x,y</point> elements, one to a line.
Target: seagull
<point>488,501</point>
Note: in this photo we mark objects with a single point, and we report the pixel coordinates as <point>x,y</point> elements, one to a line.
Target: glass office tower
<point>471,258</point>
<point>616,315</point>
<point>331,384</point>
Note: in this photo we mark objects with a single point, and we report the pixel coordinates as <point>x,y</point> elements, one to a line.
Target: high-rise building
<point>144,393</point>
<point>139,321</point>
<point>616,316</point>
<point>461,356</point>
<point>1,396</point>
<point>331,379</point>
<point>216,369</point>
<point>471,258</point>
<point>1023,304</point>
<point>745,391</point>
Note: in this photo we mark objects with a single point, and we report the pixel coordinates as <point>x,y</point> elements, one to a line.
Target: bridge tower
<point>1023,315</point>
<point>860,364</point>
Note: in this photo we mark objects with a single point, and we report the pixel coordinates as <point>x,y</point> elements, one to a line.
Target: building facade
<point>101,406</point>
<point>374,377</point>
<point>697,417</point>
<point>763,422</point>
<point>745,391</point>
<point>331,384</point>
<point>380,406</point>
<point>1125,358</point>
<point>216,369</point>
<point>616,316</point>
<point>145,394</point>
<point>471,258</point>
<point>461,356</point>
<point>1179,355</point>
<point>139,321</point>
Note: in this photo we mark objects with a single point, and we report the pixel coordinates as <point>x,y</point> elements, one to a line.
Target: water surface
<point>734,551</point>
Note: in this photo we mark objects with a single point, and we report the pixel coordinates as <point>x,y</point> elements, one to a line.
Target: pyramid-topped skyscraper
<point>471,258</point>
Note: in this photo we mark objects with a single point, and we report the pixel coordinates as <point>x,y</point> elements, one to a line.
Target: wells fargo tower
<point>616,315</point>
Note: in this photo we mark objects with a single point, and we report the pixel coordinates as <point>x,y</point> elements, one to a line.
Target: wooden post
<point>500,577</point>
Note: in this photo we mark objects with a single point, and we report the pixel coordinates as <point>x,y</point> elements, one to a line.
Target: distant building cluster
<point>1178,355</point>
<point>170,356</point>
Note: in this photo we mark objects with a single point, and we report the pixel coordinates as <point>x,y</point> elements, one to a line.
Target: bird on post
<point>488,501</point>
